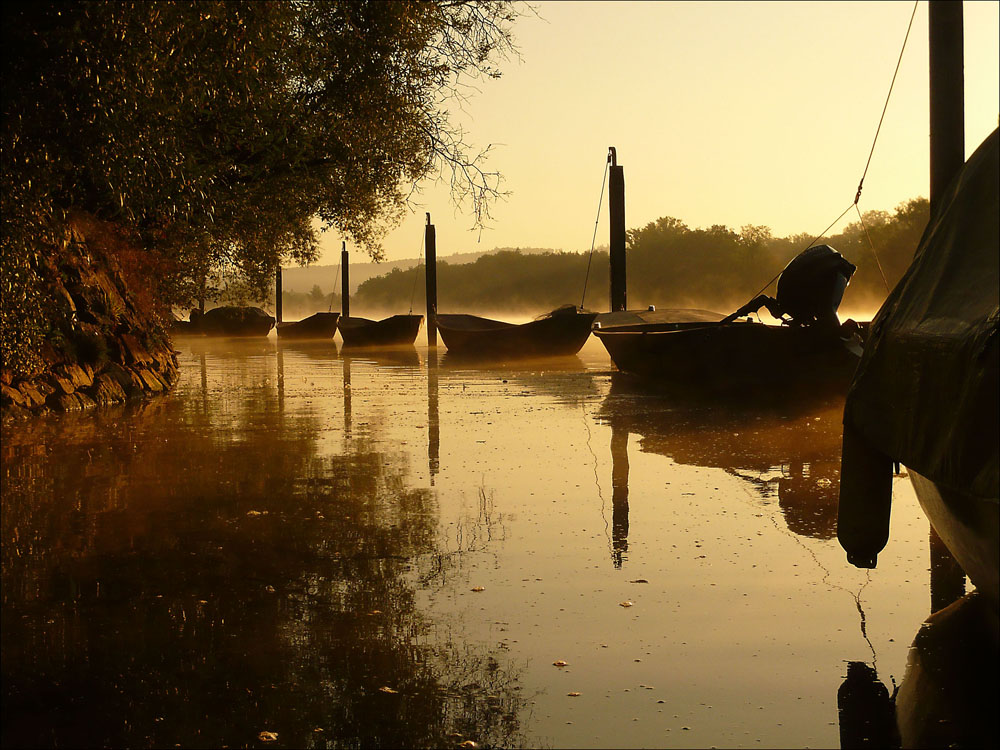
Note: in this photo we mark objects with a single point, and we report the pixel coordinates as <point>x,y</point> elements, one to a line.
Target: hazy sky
<point>721,112</point>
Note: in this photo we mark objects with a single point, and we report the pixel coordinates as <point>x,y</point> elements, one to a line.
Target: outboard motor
<point>810,290</point>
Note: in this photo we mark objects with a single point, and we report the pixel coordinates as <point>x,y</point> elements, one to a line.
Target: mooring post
<point>947,98</point>
<point>616,207</point>
<point>430,241</point>
<point>345,283</point>
<point>277,294</point>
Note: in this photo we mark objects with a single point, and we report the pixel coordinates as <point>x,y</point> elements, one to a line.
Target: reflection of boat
<point>231,321</point>
<point>387,356</point>
<point>321,325</point>
<point>703,350</point>
<point>393,331</point>
<point>948,695</point>
<point>926,391</point>
<point>789,448</point>
<point>560,332</point>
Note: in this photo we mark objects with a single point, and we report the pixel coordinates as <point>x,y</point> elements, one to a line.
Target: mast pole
<point>430,243</point>
<point>616,248</point>
<point>345,283</point>
<point>947,95</point>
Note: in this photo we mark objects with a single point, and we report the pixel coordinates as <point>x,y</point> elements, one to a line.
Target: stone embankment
<point>102,348</point>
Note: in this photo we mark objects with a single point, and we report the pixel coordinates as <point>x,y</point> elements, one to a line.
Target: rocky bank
<point>103,347</point>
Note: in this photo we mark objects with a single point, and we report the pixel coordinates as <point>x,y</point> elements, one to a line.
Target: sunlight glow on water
<point>387,551</point>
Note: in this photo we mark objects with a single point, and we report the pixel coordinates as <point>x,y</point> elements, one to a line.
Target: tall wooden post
<point>345,283</point>
<point>947,96</point>
<point>616,207</point>
<point>277,294</point>
<point>430,242</point>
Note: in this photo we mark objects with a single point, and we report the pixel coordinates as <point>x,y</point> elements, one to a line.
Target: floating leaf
<point>625,604</point>
<point>387,690</point>
<point>572,695</point>
<point>268,736</point>
<point>479,588</point>
<point>468,743</point>
<point>560,663</point>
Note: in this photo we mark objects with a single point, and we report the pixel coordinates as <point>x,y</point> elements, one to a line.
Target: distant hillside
<point>302,279</point>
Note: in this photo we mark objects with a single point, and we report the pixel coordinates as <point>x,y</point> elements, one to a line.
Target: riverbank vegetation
<point>669,265</point>
<point>209,135</point>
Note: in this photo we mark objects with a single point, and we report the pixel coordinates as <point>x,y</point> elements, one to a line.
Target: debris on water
<point>625,604</point>
<point>639,580</point>
<point>560,663</point>
<point>267,736</point>
<point>479,588</point>
<point>256,512</point>
<point>387,690</point>
<point>572,695</point>
<point>468,743</point>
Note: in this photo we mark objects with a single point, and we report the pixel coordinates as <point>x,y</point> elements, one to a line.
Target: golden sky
<point>721,112</point>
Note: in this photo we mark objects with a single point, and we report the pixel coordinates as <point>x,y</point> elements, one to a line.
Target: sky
<point>721,113</point>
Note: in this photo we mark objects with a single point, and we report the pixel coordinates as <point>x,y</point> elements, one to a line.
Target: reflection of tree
<point>196,573</point>
<point>788,449</point>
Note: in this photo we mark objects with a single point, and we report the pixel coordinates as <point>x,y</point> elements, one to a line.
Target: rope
<point>872,245</point>
<point>416,271</point>
<point>594,239</point>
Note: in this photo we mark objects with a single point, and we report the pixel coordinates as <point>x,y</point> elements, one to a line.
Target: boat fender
<point>865,499</point>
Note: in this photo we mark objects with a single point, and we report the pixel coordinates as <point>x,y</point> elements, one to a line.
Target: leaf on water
<point>639,580</point>
<point>468,743</point>
<point>572,695</point>
<point>625,604</point>
<point>387,690</point>
<point>256,513</point>
<point>268,736</point>
<point>479,588</point>
<point>560,663</point>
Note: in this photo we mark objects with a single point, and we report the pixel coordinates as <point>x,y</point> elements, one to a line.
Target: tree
<point>212,132</point>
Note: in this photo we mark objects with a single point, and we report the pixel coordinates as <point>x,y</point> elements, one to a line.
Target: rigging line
<point>597,480</point>
<point>857,197</point>
<point>872,246</point>
<point>593,241</point>
<point>336,279</point>
<point>416,272</point>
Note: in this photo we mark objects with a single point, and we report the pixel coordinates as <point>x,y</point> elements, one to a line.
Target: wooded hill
<point>669,265</point>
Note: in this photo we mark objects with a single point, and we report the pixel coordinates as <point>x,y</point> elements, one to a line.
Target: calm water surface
<point>394,550</point>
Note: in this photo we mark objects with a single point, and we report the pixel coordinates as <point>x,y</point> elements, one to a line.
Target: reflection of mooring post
<point>616,208</point>
<point>947,97</point>
<point>433,418</point>
<point>947,576</point>
<point>345,283</point>
<point>619,493</point>
<point>277,294</point>
<point>281,382</point>
<point>430,242</point>
<point>347,398</point>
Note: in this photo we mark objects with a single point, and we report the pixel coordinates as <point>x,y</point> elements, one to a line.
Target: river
<point>301,549</point>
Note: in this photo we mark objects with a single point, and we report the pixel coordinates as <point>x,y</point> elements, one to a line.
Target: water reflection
<point>167,582</point>
<point>433,416</point>
<point>789,450</point>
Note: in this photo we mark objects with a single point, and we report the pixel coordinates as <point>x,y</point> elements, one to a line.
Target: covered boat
<point>231,321</point>
<point>926,391</point>
<point>397,330</point>
<point>704,350</point>
<point>321,325</point>
<point>561,332</point>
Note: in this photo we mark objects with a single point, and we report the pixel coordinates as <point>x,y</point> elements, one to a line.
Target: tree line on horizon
<point>668,265</point>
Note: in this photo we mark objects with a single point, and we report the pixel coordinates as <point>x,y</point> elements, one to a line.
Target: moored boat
<point>321,325</point>
<point>561,332</point>
<point>230,320</point>
<point>397,330</point>
<point>926,391</point>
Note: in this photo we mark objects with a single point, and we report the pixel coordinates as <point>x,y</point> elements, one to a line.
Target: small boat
<point>321,325</point>
<point>397,330</point>
<point>727,354</point>
<point>561,332</point>
<point>926,390</point>
<point>231,321</point>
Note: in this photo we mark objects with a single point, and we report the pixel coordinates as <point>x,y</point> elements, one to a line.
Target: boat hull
<point>556,335</point>
<point>970,528</point>
<point>322,325</point>
<point>236,322</point>
<point>729,357</point>
<point>397,330</point>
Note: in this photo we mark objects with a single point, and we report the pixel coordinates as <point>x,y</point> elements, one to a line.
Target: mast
<point>947,95</point>
<point>345,283</point>
<point>616,248</point>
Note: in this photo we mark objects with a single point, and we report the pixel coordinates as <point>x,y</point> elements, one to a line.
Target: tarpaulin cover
<point>926,390</point>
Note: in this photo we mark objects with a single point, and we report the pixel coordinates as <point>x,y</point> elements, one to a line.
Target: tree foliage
<point>214,132</point>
